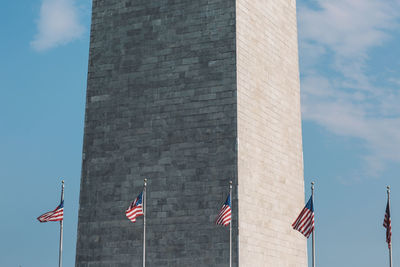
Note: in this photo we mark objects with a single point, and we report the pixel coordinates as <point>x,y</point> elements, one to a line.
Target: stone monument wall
<point>270,159</point>
<point>161,105</point>
<point>190,95</point>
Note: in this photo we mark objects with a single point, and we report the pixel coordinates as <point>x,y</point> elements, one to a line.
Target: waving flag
<point>305,221</point>
<point>135,209</point>
<point>387,223</point>
<point>53,216</point>
<point>224,216</point>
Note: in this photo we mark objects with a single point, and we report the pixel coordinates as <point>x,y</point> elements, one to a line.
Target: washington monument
<point>191,95</point>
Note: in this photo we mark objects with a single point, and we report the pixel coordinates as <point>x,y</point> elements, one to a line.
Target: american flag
<point>53,216</point>
<point>305,222</point>
<point>135,209</point>
<point>387,223</point>
<point>225,214</point>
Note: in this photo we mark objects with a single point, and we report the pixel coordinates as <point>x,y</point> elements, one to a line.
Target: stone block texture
<point>270,158</point>
<point>190,95</point>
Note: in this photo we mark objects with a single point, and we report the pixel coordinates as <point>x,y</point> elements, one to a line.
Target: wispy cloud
<point>349,27</point>
<point>343,95</point>
<point>58,24</point>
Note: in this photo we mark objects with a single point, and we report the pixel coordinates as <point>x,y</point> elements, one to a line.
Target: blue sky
<point>350,80</point>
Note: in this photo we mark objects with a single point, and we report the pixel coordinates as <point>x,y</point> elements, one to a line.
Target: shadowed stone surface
<point>161,104</point>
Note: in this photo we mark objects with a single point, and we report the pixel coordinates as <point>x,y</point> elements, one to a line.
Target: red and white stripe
<point>387,223</point>
<point>304,222</point>
<point>224,216</point>
<point>134,211</point>
<point>52,216</point>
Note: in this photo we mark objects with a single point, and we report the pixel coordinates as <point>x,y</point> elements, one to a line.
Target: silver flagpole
<point>230,225</point>
<point>144,223</point>
<point>313,232</point>
<point>390,245</point>
<point>61,228</point>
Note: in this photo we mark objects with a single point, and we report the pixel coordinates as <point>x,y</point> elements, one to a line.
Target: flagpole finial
<point>145,181</point>
<point>230,184</point>
<point>62,181</point>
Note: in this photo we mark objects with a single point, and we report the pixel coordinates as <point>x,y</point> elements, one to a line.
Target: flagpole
<point>230,225</point>
<point>390,245</point>
<point>313,232</point>
<point>61,228</point>
<point>144,222</point>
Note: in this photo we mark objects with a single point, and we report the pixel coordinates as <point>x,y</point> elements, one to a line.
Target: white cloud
<point>349,27</point>
<point>349,100</point>
<point>58,24</point>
